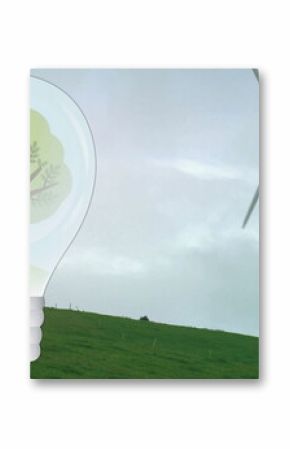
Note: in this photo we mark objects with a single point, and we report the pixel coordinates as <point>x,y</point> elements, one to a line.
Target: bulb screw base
<point>36,320</point>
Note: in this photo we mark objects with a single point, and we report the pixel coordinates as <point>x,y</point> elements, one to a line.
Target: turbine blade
<point>256,73</point>
<point>251,208</point>
<point>256,196</point>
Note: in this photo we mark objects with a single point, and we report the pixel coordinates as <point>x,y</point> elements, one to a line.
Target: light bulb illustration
<point>62,179</point>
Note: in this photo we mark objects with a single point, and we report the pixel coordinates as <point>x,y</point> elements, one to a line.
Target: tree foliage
<point>50,178</point>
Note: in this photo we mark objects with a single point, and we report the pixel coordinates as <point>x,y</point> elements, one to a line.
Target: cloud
<point>209,171</point>
<point>204,239</point>
<point>101,262</point>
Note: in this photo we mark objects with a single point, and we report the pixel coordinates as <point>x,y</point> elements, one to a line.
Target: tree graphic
<point>50,178</point>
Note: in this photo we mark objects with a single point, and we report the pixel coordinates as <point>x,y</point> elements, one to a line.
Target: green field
<point>91,346</point>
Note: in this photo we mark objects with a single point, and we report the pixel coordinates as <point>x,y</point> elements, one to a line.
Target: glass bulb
<point>62,178</point>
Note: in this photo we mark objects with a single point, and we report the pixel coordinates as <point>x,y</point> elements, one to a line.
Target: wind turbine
<point>251,207</point>
<point>256,196</point>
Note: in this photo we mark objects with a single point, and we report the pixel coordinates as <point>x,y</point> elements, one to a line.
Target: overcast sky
<point>177,155</point>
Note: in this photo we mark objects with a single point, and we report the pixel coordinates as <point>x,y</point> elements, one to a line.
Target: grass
<point>81,345</point>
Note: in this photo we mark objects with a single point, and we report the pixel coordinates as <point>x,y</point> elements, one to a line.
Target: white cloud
<point>206,171</point>
<point>203,238</point>
<point>209,171</point>
<point>118,265</point>
<point>199,238</point>
<point>102,262</point>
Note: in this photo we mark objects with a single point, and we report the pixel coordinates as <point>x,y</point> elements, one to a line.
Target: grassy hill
<point>87,345</point>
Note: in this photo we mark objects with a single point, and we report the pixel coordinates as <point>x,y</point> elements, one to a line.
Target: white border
<point>223,414</point>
